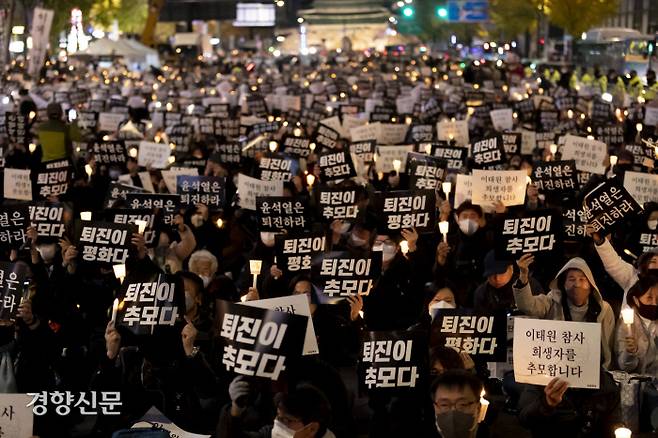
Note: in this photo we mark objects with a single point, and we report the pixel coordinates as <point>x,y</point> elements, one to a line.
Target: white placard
<point>641,186</point>
<point>528,142</point>
<point>169,176</point>
<point>156,419</point>
<point>365,132</point>
<point>290,103</point>
<point>17,184</point>
<point>297,305</point>
<point>350,121</point>
<point>502,119</point>
<point>19,424</point>
<point>110,121</point>
<point>453,130</point>
<point>405,104</point>
<point>391,133</point>
<point>574,347</point>
<point>249,188</point>
<point>508,186</point>
<point>387,154</point>
<point>590,155</point>
<point>463,189</point>
<point>42,21</point>
<point>147,184</point>
<point>155,155</point>
<point>651,116</point>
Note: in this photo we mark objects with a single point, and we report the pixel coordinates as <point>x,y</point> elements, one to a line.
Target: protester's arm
<point>621,271</point>
<point>532,305</point>
<point>187,240</point>
<point>538,403</point>
<point>627,347</point>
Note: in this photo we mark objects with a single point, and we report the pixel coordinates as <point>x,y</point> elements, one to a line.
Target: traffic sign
<point>468,11</point>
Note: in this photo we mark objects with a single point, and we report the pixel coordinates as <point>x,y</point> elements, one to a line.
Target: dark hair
<point>447,356</point>
<point>191,276</point>
<point>643,262</point>
<point>307,403</point>
<point>296,279</point>
<point>646,280</point>
<point>457,379</point>
<point>468,205</point>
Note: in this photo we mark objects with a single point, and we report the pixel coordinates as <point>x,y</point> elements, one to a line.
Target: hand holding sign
<point>554,391</point>
<point>188,335</point>
<point>112,340</point>
<point>524,262</point>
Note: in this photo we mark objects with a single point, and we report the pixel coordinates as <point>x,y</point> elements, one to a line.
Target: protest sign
<point>392,360</point>
<point>512,142</point>
<point>590,155</point>
<point>87,120</point>
<point>574,221</point>
<point>104,242</point>
<point>149,301</point>
<point>256,105</point>
<point>295,252</point>
<point>481,336</point>
<point>14,288</point>
<point>643,155</point>
<point>116,193</point>
<point>449,130</point>
<point>296,146</point>
<point>154,419</point>
<point>17,416</point>
<point>643,187</point>
<point>391,133</point>
<point>342,274</point>
<point>455,156</point>
<point>17,128</point>
<point>277,167</point>
<point>506,186</point>
<point>48,219</point>
<point>488,152</point>
<point>326,137</point>
<point>555,176</point>
<point>463,189</point>
<point>364,133</point>
<point>208,190</point>
<point>336,165</point>
<point>129,216</point>
<point>610,134</point>
<point>386,155</point>
<point>53,178</point>
<point>171,175</point>
<point>154,155</point>
<point>502,119</point>
<point>651,116</point>
<point>421,133</point>
<point>259,342</point>
<point>365,150</point>
<point>17,184</point>
<point>110,153</point>
<point>165,205</point>
<point>609,204</point>
<point>545,349</point>
<point>276,213</point>
<point>296,305</point>
<point>338,204</point>
<point>249,188</point>
<point>14,220</point>
<point>536,232</point>
<point>406,209</point>
<point>425,172</point>
<point>227,153</point>
<point>109,122</point>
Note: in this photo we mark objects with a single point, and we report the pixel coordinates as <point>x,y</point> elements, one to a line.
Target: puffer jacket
<point>551,306</point>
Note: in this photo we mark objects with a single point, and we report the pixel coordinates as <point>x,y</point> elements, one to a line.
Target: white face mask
<point>47,252</point>
<point>197,220</point>
<point>388,252</point>
<point>468,226</point>
<point>440,305</point>
<point>357,241</point>
<point>280,430</point>
<point>205,279</point>
<point>652,224</point>
<point>267,238</point>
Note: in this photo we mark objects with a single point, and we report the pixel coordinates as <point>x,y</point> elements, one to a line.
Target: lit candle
<point>273,145</point>
<point>638,127</point>
<point>404,247</point>
<point>396,165</point>
<point>428,148</point>
<point>88,169</point>
<point>553,149</point>
<point>119,272</point>
<point>528,180</point>
<point>85,215</point>
<point>443,228</point>
<point>310,180</point>
<point>613,160</point>
<point>311,146</point>
<point>115,307</point>
<point>628,315</point>
<point>446,186</point>
<point>484,405</point>
<point>219,222</point>
<point>32,148</point>
<point>171,159</point>
<point>623,432</point>
<point>141,226</point>
<point>254,268</point>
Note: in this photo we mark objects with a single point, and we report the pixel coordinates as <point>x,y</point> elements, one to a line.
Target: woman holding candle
<point>637,329</point>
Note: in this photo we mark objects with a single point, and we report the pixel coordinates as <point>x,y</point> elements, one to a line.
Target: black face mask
<point>648,311</point>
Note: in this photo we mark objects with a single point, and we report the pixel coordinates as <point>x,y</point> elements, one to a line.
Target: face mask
<point>205,279</point>
<point>197,220</point>
<point>456,424</point>
<point>357,241</point>
<point>652,224</point>
<point>280,430</point>
<point>267,238</point>
<point>47,252</point>
<point>389,252</point>
<point>189,302</point>
<point>440,305</point>
<point>648,311</point>
<point>468,226</point>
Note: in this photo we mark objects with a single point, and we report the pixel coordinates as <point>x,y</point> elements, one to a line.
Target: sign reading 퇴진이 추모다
<point>340,274</point>
<point>536,232</point>
<point>545,349</point>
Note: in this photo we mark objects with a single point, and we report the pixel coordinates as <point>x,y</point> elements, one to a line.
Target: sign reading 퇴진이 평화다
<point>536,232</point>
<point>455,156</point>
<point>104,242</point>
<point>406,209</point>
<point>609,204</point>
<point>338,204</point>
<point>148,301</point>
<point>340,274</point>
<point>481,336</point>
<point>277,167</point>
<point>295,251</point>
<point>130,216</point>
<point>392,360</point>
<point>545,349</point>
<point>259,342</point>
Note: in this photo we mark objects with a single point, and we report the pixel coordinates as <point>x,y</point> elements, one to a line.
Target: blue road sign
<point>468,11</point>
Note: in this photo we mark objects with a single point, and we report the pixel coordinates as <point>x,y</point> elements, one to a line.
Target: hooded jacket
<point>553,304</point>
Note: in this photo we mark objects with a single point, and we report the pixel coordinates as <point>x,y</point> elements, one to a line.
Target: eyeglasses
<point>460,405</point>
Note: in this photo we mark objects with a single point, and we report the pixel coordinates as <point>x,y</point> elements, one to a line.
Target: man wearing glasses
<point>457,408</point>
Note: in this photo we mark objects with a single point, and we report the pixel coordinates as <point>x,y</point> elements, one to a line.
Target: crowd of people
<point>66,337</point>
